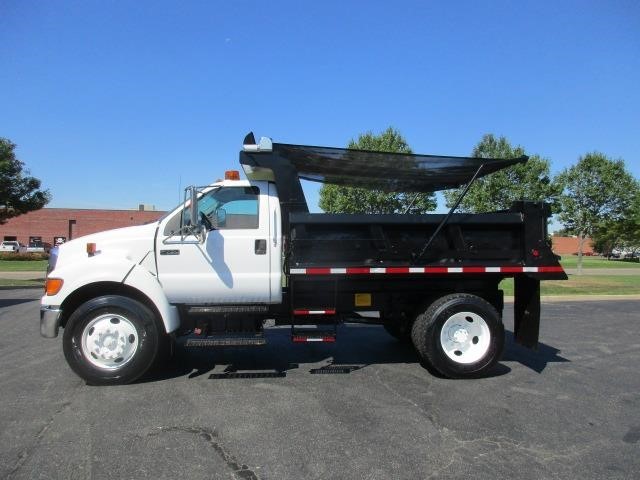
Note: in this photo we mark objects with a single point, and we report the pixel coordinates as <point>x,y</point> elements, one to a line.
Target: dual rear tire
<point>459,335</point>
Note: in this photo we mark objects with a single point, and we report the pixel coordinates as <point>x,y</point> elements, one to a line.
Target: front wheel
<point>460,335</point>
<point>111,340</point>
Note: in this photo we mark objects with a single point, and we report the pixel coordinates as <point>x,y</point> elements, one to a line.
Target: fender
<point>77,274</point>
<point>117,269</point>
<point>147,283</point>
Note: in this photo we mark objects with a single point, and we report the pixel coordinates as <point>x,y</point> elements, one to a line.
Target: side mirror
<point>193,206</point>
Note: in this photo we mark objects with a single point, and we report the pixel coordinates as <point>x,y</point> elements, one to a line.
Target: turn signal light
<point>52,286</point>
<point>232,175</point>
<point>91,249</point>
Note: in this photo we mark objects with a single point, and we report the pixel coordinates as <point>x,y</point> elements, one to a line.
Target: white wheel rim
<point>465,337</point>
<point>109,341</point>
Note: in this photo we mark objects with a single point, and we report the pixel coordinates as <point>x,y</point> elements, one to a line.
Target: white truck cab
<point>232,255</point>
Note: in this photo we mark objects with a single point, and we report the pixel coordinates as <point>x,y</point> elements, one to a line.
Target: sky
<point>117,103</point>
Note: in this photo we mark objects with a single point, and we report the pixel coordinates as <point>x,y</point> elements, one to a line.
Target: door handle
<point>261,246</point>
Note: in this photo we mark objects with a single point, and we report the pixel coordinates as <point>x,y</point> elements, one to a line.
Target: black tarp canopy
<point>286,164</point>
<point>397,172</point>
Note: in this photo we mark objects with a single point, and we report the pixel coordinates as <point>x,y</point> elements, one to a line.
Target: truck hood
<point>130,243</point>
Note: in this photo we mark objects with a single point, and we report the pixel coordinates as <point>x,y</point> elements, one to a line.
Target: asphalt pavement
<point>361,408</point>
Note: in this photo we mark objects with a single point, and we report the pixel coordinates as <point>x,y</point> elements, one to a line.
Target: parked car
<point>38,247</point>
<point>10,246</point>
<point>35,247</point>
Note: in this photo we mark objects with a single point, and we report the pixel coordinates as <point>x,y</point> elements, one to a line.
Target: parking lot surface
<point>361,408</point>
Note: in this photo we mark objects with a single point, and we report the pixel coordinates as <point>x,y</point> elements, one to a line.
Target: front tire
<point>111,340</point>
<point>459,335</point>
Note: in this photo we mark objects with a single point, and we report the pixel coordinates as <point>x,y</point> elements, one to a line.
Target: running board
<point>226,341</point>
<point>203,309</point>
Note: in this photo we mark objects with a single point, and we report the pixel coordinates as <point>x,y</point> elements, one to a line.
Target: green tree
<point>340,199</point>
<point>623,234</point>
<point>598,192</point>
<point>524,181</point>
<point>19,192</point>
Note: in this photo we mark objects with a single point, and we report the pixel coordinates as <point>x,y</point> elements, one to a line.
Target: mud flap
<point>527,311</point>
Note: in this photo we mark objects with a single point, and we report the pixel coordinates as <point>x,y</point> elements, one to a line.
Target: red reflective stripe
<point>511,269</point>
<point>436,270</point>
<point>318,271</point>
<point>358,270</point>
<point>427,270</point>
<point>397,269</point>
<point>550,269</point>
<point>473,269</point>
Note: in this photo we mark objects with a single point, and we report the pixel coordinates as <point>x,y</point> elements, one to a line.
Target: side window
<point>231,207</point>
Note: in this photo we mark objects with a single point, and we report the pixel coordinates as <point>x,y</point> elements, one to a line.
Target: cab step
<point>306,317</point>
<point>226,340</point>
<point>302,336</point>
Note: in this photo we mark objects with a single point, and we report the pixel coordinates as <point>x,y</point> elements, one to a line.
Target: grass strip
<point>585,285</point>
<point>23,265</point>
<point>571,261</point>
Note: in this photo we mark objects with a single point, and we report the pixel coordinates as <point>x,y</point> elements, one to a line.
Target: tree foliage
<point>19,192</point>
<point>622,234</point>
<point>598,195</point>
<point>340,199</point>
<point>524,181</point>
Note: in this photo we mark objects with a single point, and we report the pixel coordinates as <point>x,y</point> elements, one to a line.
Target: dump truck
<point>237,254</point>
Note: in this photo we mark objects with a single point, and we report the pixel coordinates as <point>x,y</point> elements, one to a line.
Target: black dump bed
<point>393,264</point>
<point>514,241</point>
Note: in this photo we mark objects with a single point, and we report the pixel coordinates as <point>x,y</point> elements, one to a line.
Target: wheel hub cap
<point>109,341</point>
<point>465,337</point>
<point>460,335</point>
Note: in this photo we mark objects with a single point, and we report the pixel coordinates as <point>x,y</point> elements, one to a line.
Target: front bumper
<point>50,321</point>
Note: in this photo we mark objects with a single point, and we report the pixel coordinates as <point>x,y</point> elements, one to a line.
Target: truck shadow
<point>357,347</point>
<point>537,360</point>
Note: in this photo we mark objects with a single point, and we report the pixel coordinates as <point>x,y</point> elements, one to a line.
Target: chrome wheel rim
<point>109,341</point>
<point>465,337</point>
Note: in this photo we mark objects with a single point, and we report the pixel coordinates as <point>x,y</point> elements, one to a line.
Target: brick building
<point>569,245</point>
<point>51,224</point>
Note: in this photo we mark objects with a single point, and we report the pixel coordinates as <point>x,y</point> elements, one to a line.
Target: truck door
<point>234,263</point>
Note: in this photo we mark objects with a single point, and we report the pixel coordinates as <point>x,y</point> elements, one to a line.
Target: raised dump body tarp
<point>394,172</point>
<point>286,164</point>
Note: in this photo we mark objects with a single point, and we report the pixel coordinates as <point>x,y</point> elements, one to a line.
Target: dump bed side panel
<point>514,241</point>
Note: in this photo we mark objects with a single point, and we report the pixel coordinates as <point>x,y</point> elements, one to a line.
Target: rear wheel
<point>111,340</point>
<point>460,335</point>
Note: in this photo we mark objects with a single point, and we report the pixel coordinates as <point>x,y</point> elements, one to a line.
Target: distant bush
<point>26,256</point>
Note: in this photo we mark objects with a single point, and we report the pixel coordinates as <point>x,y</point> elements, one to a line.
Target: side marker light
<point>52,286</point>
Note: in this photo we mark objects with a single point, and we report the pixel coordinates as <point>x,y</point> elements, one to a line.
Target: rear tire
<point>111,340</point>
<point>459,335</point>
